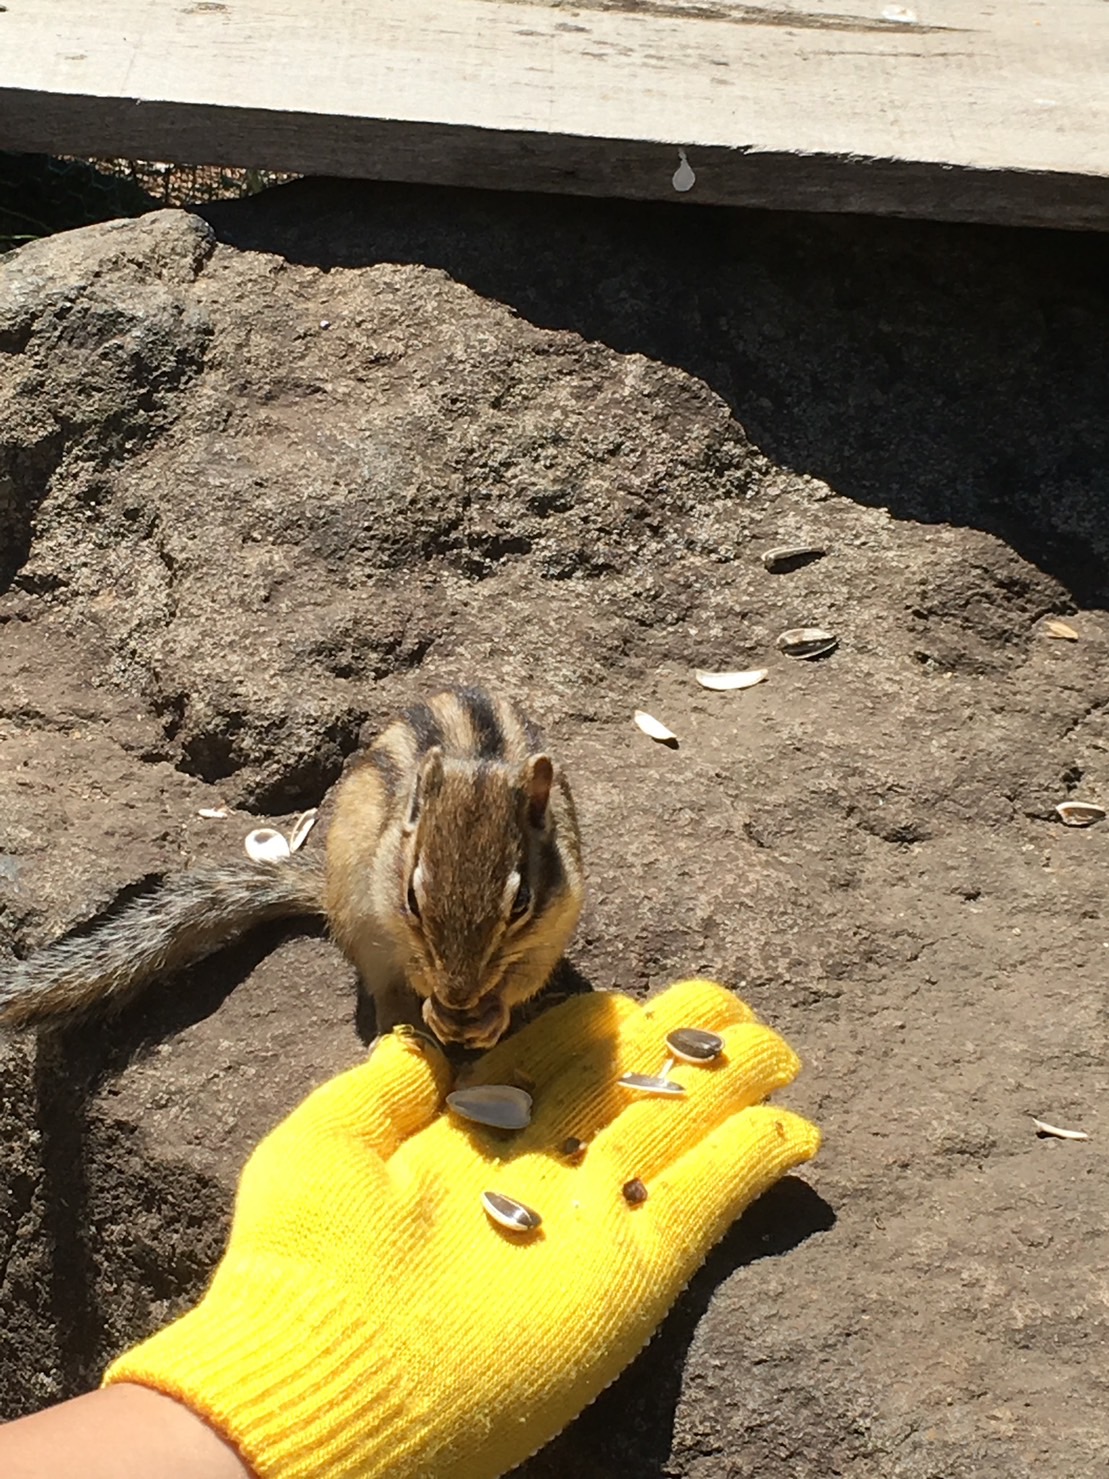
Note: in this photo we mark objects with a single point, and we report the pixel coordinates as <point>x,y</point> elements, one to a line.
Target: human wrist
<point>126,1432</point>
<point>288,1371</point>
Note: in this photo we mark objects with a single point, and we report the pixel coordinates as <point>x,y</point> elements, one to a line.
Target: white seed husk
<point>1062,630</point>
<point>501,1105</point>
<point>647,1083</point>
<point>1079,813</point>
<point>507,1212</point>
<point>727,682</point>
<point>212,813</point>
<point>654,728</point>
<point>304,823</point>
<point>807,642</point>
<point>695,1045</point>
<point>1045,1129</point>
<point>264,845</point>
<point>791,555</point>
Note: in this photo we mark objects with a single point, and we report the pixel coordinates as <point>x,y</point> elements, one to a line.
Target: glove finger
<point>575,1074</point>
<point>394,1093</point>
<point>693,1202</point>
<point>693,1003</point>
<point>651,1132</point>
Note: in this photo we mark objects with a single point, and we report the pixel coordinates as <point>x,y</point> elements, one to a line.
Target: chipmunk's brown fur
<point>453,874</point>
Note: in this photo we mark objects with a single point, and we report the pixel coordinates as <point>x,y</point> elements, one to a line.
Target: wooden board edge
<point>438,154</point>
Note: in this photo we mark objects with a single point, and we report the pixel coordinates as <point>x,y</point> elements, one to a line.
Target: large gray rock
<point>262,481</point>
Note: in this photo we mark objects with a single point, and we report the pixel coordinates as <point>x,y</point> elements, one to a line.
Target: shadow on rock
<point>104,1042</point>
<point>627,1433</point>
<point>97,1256</point>
<point>947,373</point>
<point>64,1071</point>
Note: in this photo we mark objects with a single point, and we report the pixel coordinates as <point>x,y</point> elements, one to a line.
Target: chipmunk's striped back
<point>464,723</point>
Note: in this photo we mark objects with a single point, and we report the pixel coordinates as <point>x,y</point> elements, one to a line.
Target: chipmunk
<point>453,881</point>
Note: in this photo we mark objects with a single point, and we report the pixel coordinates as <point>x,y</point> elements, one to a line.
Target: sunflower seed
<point>807,642</point>
<point>264,845</point>
<point>646,1083</point>
<point>1043,1128</point>
<point>1062,630</point>
<point>726,682</point>
<point>500,1105</point>
<point>694,1044</point>
<point>301,828</point>
<point>656,730</point>
<point>510,1213</point>
<point>634,1192</point>
<point>791,557</point>
<point>1079,813</point>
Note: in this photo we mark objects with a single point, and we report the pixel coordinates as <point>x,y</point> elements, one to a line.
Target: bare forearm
<point>123,1432</point>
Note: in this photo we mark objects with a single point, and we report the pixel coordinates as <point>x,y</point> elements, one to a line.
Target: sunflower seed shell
<point>1079,813</point>
<point>1062,630</point>
<point>507,1212</point>
<point>265,845</point>
<point>654,728</point>
<point>501,1105</point>
<point>807,642</point>
<point>1043,1128</point>
<point>695,1045</point>
<point>646,1083</point>
<point>727,682</point>
<point>301,828</point>
<point>791,557</point>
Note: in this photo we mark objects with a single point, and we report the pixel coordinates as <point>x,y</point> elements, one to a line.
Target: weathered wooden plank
<point>956,109</point>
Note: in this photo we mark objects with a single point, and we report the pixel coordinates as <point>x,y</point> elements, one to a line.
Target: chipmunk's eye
<point>522,902</point>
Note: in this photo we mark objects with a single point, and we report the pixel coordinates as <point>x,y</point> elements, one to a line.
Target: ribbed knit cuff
<point>292,1375</point>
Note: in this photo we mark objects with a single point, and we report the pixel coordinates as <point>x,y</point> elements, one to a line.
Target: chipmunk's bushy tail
<point>186,918</point>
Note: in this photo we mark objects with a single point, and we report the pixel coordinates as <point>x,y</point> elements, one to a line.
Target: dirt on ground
<point>267,476</point>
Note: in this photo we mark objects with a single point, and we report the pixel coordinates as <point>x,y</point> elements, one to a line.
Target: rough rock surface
<point>263,480</point>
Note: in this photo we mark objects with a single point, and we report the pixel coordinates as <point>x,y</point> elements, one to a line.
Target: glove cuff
<point>292,1374</point>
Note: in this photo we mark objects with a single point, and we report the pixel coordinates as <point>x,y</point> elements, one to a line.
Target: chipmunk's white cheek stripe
<point>510,890</point>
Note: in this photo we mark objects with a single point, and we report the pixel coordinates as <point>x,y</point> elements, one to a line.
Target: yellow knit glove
<point>368,1319</point>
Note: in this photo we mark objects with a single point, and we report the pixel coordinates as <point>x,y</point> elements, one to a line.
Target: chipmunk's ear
<point>428,784</point>
<point>538,779</point>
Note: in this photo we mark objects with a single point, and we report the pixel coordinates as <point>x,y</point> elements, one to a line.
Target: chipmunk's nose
<point>465,991</point>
